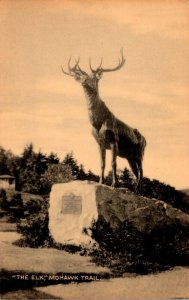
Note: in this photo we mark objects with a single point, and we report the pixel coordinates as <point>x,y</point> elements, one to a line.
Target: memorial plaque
<point>71,205</point>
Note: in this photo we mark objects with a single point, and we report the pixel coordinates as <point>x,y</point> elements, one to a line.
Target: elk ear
<point>99,75</point>
<point>80,78</point>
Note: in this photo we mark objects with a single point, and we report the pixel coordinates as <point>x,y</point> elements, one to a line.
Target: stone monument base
<point>72,210</point>
<point>76,205</point>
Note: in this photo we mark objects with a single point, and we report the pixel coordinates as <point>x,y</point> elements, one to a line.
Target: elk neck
<point>98,111</point>
<point>92,95</point>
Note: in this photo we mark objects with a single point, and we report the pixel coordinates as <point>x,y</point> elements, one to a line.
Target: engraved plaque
<point>71,205</point>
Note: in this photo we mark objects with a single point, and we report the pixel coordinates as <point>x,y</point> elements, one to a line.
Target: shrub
<point>11,202</point>
<point>14,198</point>
<point>3,199</point>
<point>34,226</point>
<point>128,250</point>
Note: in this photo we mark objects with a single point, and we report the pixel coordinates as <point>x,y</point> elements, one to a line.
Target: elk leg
<point>140,178</point>
<point>114,164</point>
<point>136,171</point>
<point>103,163</point>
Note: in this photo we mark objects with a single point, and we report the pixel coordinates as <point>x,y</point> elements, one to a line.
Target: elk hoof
<point>137,191</point>
<point>114,184</point>
<point>101,181</point>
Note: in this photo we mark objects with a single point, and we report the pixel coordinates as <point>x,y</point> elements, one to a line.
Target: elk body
<point>110,132</point>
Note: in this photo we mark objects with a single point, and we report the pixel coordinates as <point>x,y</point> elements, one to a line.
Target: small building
<point>7,182</point>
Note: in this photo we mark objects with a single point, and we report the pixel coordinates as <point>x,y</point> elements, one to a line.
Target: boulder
<point>75,206</point>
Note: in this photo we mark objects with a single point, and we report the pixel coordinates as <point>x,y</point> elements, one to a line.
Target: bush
<point>127,250</point>
<point>3,199</point>
<point>11,202</point>
<point>34,227</point>
<point>158,190</point>
<point>14,198</point>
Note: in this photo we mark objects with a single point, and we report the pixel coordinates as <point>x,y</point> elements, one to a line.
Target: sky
<point>40,104</point>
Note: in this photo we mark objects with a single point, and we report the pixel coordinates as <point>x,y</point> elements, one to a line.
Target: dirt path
<point>166,285</point>
<point>42,260</point>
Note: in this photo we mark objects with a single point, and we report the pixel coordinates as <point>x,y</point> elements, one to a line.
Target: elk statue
<point>109,132</point>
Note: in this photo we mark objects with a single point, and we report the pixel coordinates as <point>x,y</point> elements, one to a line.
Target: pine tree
<point>69,160</point>
<point>4,162</point>
<point>126,179</point>
<point>108,178</point>
<point>91,176</point>
<point>27,177</point>
<point>52,158</point>
<point>41,163</point>
<point>32,166</point>
<point>82,174</point>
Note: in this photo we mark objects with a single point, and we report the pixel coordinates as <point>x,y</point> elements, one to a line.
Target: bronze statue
<point>110,132</point>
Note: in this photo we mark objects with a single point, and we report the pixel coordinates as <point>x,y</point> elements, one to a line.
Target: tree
<point>4,162</point>
<point>32,166</point>
<point>81,174</point>
<point>41,163</point>
<point>126,179</point>
<point>108,178</point>
<point>91,176</point>
<point>72,163</point>
<point>56,173</point>
<point>52,158</point>
<point>9,164</point>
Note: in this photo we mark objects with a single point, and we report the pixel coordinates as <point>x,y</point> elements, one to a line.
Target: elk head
<point>93,78</point>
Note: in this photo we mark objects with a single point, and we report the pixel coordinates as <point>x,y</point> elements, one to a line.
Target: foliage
<point>3,199</point>
<point>70,161</point>
<point>125,179</point>
<point>34,225</point>
<point>76,170</point>
<point>52,159</point>
<point>91,176</point>
<point>127,250</point>
<point>4,161</point>
<point>152,189</point>
<point>56,173</point>
<point>158,190</point>
<point>11,202</point>
<point>32,166</point>
<point>35,173</point>
<point>10,198</point>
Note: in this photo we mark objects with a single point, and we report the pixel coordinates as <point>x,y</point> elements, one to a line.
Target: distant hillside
<point>186,191</point>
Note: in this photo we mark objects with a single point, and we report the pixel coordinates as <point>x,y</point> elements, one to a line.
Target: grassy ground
<point>6,226</point>
<point>171,284</point>
<point>44,260</point>
<point>36,262</point>
<point>27,294</point>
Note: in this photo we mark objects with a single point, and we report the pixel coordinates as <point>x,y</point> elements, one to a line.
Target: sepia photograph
<point>94,143</point>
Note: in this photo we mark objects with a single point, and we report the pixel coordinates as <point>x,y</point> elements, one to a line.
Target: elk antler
<point>98,69</point>
<point>119,66</point>
<point>75,70</point>
<point>70,70</point>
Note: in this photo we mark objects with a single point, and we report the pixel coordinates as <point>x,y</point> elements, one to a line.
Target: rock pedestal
<point>74,206</point>
<point>72,209</point>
